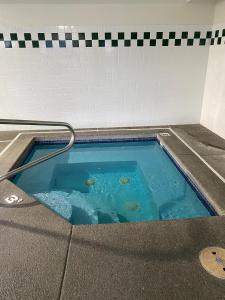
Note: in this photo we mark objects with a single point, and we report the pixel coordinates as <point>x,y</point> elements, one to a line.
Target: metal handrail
<point>44,158</point>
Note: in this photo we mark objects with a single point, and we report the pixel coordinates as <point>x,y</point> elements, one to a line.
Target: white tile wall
<point>213,109</point>
<point>99,87</point>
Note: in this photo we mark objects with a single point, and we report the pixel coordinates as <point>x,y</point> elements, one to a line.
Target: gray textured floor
<point>34,243</point>
<point>155,260</point>
<point>210,146</point>
<point>3,145</point>
<point>44,257</point>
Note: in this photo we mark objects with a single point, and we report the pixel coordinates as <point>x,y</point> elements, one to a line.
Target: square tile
<point>81,36</point>
<point>41,36</point>
<point>140,43</point>
<point>146,35</point>
<point>121,36</point>
<point>108,35</point>
<point>62,44</point>
<point>127,43</point>
<point>165,42</point>
<point>49,44</point>
<point>133,35</point>
<point>184,35</point>
<point>88,43</point>
<point>159,35</point>
<point>75,43</point>
<point>172,35</point>
<point>74,35</point>
<point>15,44</point>
<point>190,42</point>
<point>29,45</point>
<point>101,43</point>
<point>219,41</point>
<point>69,44</point>
<point>209,34</point>
<point>22,44</point>
<point>114,43</point>
<point>68,36</point>
<point>27,36</point>
<point>35,44</point>
<point>177,42</point>
<point>153,43</point>
<point>13,36</point>
<point>94,35</point>
<point>202,42</point>
<point>8,44</point>
<point>55,36</point>
<point>197,34</point>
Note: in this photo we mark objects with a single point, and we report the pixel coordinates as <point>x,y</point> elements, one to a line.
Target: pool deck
<point>42,256</point>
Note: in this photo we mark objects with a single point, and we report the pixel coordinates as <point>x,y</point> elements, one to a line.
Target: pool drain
<point>213,261</point>
<point>124,180</point>
<point>90,182</point>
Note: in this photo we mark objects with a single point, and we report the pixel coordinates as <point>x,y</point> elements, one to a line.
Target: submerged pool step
<point>79,176</point>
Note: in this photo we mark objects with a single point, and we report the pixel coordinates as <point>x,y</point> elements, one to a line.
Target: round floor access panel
<point>213,261</point>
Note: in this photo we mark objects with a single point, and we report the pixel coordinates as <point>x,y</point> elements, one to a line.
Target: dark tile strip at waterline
<point>194,186</point>
<point>108,39</point>
<point>97,140</point>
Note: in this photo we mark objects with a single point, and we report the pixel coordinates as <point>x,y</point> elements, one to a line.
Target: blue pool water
<point>97,183</point>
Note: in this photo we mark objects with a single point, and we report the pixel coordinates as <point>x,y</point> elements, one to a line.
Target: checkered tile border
<point>109,39</point>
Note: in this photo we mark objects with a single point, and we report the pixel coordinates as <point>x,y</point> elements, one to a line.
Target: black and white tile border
<point>109,39</point>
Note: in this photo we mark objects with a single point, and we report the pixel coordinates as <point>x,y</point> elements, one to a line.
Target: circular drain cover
<point>124,180</point>
<point>213,261</point>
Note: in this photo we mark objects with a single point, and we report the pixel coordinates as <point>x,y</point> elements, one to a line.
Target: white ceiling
<point>104,1</point>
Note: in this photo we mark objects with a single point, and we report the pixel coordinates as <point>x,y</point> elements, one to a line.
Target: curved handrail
<point>44,158</point>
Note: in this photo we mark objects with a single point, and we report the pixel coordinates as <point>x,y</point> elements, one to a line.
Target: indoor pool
<point>112,182</point>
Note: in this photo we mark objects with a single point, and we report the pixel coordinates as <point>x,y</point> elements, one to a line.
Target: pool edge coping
<point>194,181</point>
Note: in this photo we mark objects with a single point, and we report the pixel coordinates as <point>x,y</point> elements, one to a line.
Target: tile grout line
<point>66,261</point>
<point>207,155</point>
<point>10,144</point>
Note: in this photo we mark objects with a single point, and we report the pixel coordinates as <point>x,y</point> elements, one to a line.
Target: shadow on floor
<point>179,242</point>
<point>35,230</point>
<point>152,241</point>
